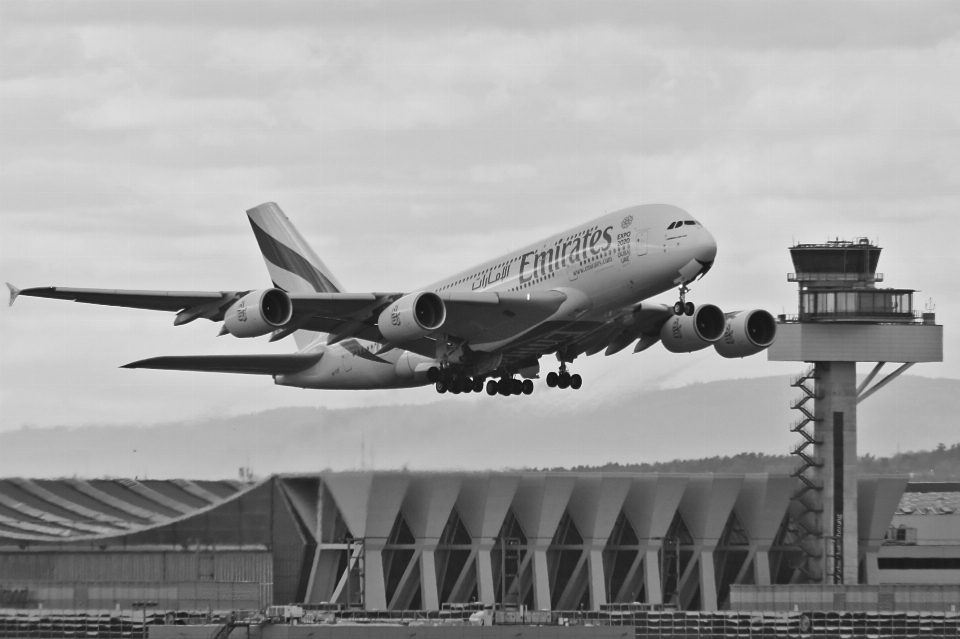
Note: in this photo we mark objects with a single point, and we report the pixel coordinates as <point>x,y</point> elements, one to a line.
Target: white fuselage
<point>604,267</point>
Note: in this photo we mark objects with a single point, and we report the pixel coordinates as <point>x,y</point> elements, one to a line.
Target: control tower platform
<point>842,319</point>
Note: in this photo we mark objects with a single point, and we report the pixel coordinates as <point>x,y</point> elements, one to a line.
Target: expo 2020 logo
<point>627,221</point>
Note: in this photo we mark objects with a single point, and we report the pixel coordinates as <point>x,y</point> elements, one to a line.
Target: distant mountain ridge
<point>732,424</point>
<point>941,464</point>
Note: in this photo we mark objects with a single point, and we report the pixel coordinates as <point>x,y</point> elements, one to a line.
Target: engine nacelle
<point>411,317</point>
<point>258,313</point>
<point>689,333</point>
<point>747,333</point>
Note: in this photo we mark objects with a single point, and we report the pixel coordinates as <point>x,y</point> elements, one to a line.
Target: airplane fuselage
<point>604,267</point>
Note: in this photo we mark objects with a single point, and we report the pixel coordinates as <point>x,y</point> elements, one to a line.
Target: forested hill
<point>940,464</point>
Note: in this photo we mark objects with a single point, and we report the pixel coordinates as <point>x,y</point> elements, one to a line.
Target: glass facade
<point>869,303</point>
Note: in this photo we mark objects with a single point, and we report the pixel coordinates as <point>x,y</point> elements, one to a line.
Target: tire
<point>516,386</point>
<point>503,387</point>
<point>433,374</point>
<point>564,381</point>
<point>678,309</point>
<point>576,382</point>
<point>478,386</point>
<point>527,387</point>
<point>552,379</point>
<point>491,388</point>
<point>689,309</point>
<point>441,387</point>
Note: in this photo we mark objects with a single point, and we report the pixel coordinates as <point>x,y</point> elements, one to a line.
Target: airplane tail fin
<point>292,264</point>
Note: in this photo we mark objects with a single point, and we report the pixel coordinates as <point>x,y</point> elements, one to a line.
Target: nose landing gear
<point>683,307</point>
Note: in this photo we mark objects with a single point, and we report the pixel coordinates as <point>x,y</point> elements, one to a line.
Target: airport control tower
<point>843,319</point>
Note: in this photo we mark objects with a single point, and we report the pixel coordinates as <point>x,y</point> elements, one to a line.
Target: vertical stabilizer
<point>292,264</point>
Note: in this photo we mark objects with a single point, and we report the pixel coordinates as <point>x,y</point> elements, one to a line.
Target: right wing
<point>471,317</point>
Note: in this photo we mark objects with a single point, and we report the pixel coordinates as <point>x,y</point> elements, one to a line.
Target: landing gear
<point>563,379</point>
<point>683,307</point>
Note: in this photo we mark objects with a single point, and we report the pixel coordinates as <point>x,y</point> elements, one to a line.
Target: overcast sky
<point>408,140</point>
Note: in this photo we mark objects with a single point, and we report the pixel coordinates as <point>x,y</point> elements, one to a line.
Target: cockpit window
<point>690,222</point>
<point>672,224</point>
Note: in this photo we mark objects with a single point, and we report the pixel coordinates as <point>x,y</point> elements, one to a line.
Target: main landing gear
<point>683,307</point>
<point>507,386</point>
<point>563,379</point>
<point>460,384</point>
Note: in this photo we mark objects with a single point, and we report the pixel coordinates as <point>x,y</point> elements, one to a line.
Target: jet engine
<point>258,313</point>
<point>747,333</point>
<point>689,333</point>
<point>411,317</point>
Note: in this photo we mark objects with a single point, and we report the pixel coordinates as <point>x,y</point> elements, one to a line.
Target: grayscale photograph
<point>374,318</point>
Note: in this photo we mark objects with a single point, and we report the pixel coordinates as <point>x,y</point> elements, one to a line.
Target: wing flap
<point>477,318</point>
<point>338,305</point>
<point>280,364</point>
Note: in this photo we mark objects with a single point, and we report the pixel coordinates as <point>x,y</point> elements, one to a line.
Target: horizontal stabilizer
<point>14,292</point>
<point>284,364</point>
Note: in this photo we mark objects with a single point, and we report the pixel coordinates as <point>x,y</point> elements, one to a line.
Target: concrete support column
<point>837,429</point>
<point>651,576</point>
<point>486,592</point>
<point>541,579</point>
<point>871,567</point>
<point>375,597</point>
<point>429,596</point>
<point>598,583</point>
<point>708,581</point>
<point>761,567</point>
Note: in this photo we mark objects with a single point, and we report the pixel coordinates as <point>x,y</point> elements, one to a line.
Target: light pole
<point>143,605</point>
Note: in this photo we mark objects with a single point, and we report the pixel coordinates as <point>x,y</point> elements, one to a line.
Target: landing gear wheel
<point>503,387</point>
<point>564,381</point>
<point>491,388</point>
<point>576,382</point>
<point>433,374</point>
<point>689,309</point>
<point>478,385</point>
<point>678,308</point>
<point>466,386</point>
<point>552,379</point>
<point>527,387</point>
<point>441,387</point>
<point>516,386</point>
<point>455,387</point>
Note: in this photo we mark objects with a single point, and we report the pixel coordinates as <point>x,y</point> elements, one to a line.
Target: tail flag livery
<point>292,264</point>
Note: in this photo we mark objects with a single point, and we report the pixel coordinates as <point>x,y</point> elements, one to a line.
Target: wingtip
<point>14,292</point>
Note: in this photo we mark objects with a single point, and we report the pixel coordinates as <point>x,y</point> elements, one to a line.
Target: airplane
<point>578,292</point>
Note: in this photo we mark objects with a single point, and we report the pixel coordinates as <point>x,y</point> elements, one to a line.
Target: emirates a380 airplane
<point>578,292</point>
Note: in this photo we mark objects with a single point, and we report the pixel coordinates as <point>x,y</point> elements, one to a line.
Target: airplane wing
<point>149,300</point>
<point>281,364</point>
<point>191,305</point>
<point>471,317</point>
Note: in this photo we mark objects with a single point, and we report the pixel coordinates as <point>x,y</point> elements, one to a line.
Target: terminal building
<point>407,541</point>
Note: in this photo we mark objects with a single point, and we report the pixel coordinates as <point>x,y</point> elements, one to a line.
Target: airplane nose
<point>706,252</point>
<point>708,247</point>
